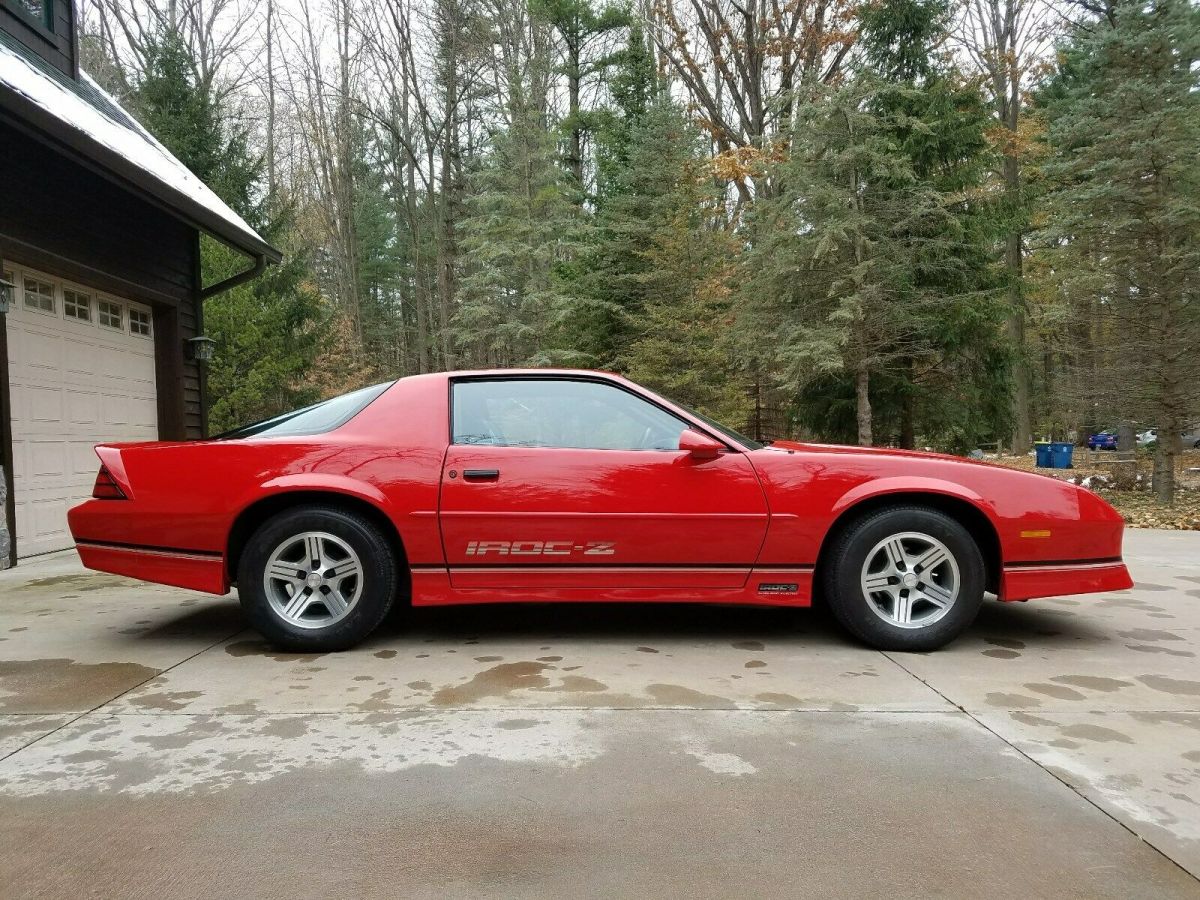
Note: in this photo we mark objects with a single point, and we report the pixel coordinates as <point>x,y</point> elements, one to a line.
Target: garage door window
<point>39,295</point>
<point>109,314</point>
<point>139,321</point>
<point>77,305</point>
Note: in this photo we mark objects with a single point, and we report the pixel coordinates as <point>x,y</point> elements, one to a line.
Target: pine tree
<point>641,199</point>
<point>876,254</point>
<point>666,264</point>
<point>265,332</point>
<point>634,88</point>
<point>522,236</point>
<point>267,339</point>
<point>579,26</point>
<point>956,386</point>
<point>381,266</point>
<point>629,195</point>
<point>1123,206</point>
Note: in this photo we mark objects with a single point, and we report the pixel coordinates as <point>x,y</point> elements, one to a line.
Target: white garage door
<point>81,371</point>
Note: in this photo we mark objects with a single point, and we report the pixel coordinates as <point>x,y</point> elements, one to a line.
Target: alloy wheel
<point>313,579</point>
<point>910,579</point>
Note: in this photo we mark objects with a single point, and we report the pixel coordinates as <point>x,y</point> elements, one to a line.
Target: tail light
<point>105,488</point>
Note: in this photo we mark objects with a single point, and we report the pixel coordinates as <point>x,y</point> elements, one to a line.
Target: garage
<point>101,285</point>
<point>81,371</point>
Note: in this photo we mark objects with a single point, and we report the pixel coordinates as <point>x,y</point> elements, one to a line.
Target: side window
<point>560,413</point>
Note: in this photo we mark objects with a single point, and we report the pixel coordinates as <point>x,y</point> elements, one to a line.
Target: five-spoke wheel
<point>313,579</point>
<point>317,578</point>
<point>910,579</point>
<point>904,578</point>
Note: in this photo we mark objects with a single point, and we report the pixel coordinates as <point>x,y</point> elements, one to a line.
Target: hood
<point>854,449</point>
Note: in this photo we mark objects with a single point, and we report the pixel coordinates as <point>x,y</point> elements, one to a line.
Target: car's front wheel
<point>317,579</point>
<point>905,578</point>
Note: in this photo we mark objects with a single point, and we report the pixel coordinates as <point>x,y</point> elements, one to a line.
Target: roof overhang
<point>112,142</point>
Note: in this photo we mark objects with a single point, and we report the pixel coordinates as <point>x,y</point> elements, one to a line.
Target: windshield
<point>723,429</point>
<point>316,419</point>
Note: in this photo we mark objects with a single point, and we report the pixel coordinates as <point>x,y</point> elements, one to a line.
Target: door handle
<point>481,474</point>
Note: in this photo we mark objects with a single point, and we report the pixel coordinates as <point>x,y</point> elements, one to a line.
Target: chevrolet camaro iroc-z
<point>563,486</point>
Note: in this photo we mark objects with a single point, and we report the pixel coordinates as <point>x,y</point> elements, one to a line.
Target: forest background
<point>919,223</point>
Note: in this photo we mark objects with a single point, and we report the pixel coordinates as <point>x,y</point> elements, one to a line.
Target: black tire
<point>843,571</point>
<point>376,594</point>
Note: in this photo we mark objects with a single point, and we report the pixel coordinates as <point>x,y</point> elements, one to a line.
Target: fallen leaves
<point>1139,506</point>
<point>1142,510</point>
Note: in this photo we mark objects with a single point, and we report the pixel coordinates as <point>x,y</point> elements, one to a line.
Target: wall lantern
<point>8,291</point>
<point>200,348</point>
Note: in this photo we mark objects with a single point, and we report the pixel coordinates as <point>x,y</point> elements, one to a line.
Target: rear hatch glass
<point>316,419</point>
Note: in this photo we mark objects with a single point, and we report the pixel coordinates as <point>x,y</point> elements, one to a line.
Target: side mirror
<point>699,446</point>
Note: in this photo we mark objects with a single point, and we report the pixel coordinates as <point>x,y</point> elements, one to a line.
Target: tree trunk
<point>1022,420</point>
<point>420,282</point>
<point>271,178</point>
<point>575,150</point>
<point>1170,420</point>
<point>908,430</point>
<point>432,204</point>
<point>908,434</point>
<point>1126,437</point>
<point>347,225</point>
<point>447,259</point>
<point>447,266</point>
<point>862,383</point>
<point>1164,468</point>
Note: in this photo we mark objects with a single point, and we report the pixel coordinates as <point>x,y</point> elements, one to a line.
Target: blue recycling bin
<point>1060,454</point>
<point>1042,450</point>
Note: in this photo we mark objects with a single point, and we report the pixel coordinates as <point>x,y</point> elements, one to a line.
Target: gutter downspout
<point>260,265</point>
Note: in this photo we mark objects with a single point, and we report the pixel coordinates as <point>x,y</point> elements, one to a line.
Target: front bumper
<point>1024,582</point>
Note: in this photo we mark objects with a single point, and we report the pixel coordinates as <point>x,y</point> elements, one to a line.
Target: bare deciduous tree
<point>741,63</point>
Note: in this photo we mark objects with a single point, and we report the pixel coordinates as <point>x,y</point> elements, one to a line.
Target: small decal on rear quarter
<point>778,587</point>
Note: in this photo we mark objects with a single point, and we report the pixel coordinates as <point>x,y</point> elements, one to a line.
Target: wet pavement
<point>150,746</point>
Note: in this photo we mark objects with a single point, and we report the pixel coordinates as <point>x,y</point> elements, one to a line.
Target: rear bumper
<point>1024,582</point>
<point>179,568</point>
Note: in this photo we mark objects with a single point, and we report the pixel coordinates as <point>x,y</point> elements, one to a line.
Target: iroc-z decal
<point>540,548</point>
<point>778,587</point>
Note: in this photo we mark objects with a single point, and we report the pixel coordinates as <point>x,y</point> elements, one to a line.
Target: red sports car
<point>559,485</point>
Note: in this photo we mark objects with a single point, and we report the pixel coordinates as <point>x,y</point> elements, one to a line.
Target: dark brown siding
<point>51,202</point>
<point>61,217</point>
<point>56,46</point>
<point>191,320</point>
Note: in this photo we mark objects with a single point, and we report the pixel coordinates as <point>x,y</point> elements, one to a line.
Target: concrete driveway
<point>149,746</point>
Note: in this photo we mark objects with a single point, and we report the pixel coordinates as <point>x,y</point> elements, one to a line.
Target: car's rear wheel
<point>317,579</point>
<point>905,578</point>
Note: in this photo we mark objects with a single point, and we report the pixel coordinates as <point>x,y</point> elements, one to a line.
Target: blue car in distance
<point>1104,440</point>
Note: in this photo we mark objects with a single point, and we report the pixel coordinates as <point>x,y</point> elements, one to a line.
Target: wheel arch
<point>253,516</point>
<point>962,510</point>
